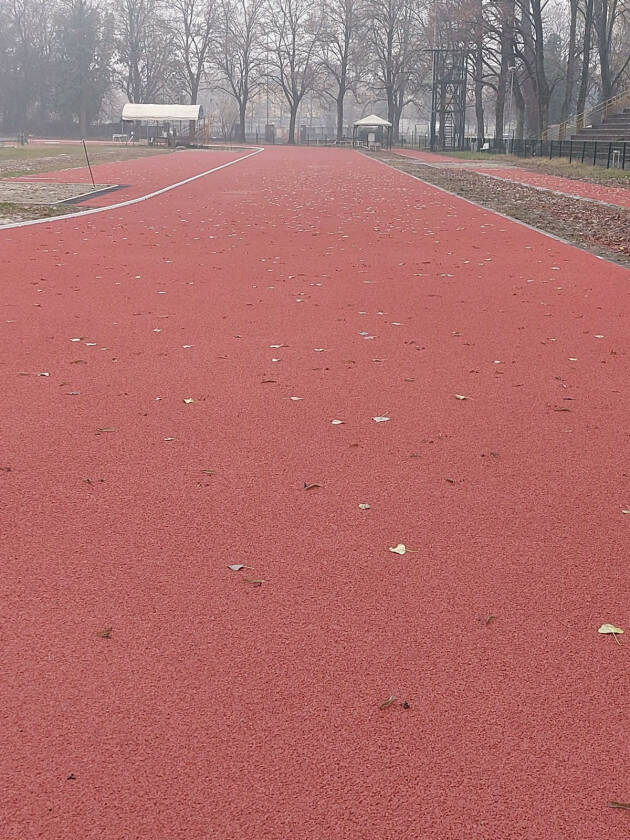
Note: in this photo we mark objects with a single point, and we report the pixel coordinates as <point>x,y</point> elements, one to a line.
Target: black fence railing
<point>611,155</point>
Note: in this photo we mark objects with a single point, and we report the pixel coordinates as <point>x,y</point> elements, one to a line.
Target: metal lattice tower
<point>448,98</point>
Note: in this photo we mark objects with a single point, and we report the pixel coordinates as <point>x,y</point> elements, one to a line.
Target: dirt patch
<point>38,158</point>
<point>20,192</point>
<point>11,213</point>
<point>600,228</point>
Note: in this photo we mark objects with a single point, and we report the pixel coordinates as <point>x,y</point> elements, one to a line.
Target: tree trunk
<point>390,105</point>
<point>570,80</point>
<point>603,48</point>
<point>242,112</point>
<point>519,106</point>
<point>479,96</point>
<point>340,99</point>
<point>542,86</point>
<point>586,61</point>
<point>499,105</point>
<point>292,120</point>
<point>507,61</point>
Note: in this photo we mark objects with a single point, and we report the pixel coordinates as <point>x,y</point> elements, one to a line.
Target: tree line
<point>528,60</point>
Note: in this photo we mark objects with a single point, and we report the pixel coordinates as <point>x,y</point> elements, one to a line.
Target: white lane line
<point>130,201</point>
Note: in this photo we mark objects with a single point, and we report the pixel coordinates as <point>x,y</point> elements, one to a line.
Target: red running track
<point>619,196</point>
<point>219,709</point>
<point>138,176</point>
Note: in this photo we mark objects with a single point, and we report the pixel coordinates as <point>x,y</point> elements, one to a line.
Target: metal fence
<point>611,155</point>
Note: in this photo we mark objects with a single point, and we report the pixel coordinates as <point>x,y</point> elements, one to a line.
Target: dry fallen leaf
<point>254,581</point>
<point>236,567</point>
<point>295,399</point>
<point>401,548</point>
<point>391,699</point>
<point>364,506</point>
<point>336,422</point>
<point>209,472</point>
<point>106,429</point>
<point>624,805</point>
<point>626,510</point>
<point>106,633</point>
<point>380,419</point>
<point>460,397</point>
<point>188,400</point>
<point>311,486</point>
<point>610,628</point>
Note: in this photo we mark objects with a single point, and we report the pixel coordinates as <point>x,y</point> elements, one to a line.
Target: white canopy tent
<point>164,115</point>
<point>144,112</point>
<point>381,127</point>
<point>372,121</point>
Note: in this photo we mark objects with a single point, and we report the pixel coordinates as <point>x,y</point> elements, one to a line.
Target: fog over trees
<point>530,62</point>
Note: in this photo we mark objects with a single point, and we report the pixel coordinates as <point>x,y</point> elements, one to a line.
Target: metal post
<point>511,70</point>
<point>434,101</point>
<point>88,163</point>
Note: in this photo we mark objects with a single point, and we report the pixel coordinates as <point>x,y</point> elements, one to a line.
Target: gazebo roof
<point>372,121</point>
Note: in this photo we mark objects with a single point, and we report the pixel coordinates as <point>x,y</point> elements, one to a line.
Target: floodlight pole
<point>88,163</point>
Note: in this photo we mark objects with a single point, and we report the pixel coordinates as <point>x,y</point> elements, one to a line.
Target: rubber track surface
<point>618,196</point>
<point>138,176</point>
<point>150,692</point>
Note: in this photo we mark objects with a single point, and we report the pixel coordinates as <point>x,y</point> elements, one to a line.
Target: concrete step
<point>602,134</point>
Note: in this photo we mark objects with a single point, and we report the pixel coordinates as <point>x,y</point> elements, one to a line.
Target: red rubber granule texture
<point>151,693</point>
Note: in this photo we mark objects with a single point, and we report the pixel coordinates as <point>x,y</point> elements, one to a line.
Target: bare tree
<point>294,27</point>
<point>239,57</point>
<point>569,88</point>
<point>144,50</point>
<point>343,24</point>
<point>530,49</point>
<point>587,39</point>
<point>608,14</point>
<point>193,29</point>
<point>394,43</point>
